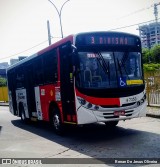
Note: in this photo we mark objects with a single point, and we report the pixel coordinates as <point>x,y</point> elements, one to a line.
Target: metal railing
<point>3,94</point>
<point>152,80</point>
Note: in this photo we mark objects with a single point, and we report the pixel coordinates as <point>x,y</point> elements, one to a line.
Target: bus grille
<point>111,115</point>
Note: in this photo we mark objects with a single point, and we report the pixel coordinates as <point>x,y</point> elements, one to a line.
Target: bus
<point>82,79</point>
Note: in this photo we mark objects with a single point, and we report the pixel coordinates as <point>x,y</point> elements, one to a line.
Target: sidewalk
<point>151,111</point>
<point>3,104</point>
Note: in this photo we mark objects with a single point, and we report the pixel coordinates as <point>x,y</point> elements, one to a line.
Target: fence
<point>152,80</point>
<point>4,94</point>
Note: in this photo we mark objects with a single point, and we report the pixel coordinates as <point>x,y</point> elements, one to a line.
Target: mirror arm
<point>74,48</point>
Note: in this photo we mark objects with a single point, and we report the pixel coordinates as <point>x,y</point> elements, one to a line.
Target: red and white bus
<point>82,79</point>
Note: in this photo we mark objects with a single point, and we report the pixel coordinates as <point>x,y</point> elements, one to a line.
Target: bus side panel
<point>10,102</point>
<point>47,94</point>
<point>11,91</point>
<point>21,97</point>
<point>38,103</point>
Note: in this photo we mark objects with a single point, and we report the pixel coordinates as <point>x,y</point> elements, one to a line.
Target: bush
<point>3,82</point>
<point>151,67</point>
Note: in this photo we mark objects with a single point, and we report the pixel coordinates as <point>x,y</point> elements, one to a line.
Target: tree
<point>155,53</point>
<point>3,82</point>
<point>146,55</point>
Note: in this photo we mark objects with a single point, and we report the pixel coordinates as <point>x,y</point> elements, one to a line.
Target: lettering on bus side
<point>21,96</point>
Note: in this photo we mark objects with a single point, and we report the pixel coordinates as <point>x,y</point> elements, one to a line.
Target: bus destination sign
<point>110,40</point>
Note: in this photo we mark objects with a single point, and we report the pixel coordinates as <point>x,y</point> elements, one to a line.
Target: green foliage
<point>151,55</point>
<point>155,54</point>
<point>151,67</point>
<point>151,58</point>
<point>3,82</point>
<point>146,55</point>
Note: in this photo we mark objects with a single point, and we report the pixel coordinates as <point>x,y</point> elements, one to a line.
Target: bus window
<point>38,72</point>
<point>20,77</point>
<point>50,67</point>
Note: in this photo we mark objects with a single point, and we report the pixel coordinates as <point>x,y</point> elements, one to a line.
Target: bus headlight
<point>96,107</point>
<point>81,101</point>
<point>140,102</point>
<point>87,104</point>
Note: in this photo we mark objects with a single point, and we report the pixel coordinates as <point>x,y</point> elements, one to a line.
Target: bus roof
<point>56,44</point>
<point>107,32</point>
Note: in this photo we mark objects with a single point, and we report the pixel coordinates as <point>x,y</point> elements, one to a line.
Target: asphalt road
<point>136,138</point>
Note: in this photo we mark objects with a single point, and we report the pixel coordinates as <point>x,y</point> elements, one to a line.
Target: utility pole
<point>156,11</point>
<point>49,33</point>
<point>156,19</point>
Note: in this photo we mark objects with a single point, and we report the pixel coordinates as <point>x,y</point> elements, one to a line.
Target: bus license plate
<point>119,113</point>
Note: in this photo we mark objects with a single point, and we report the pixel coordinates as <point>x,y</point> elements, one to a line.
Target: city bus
<point>82,79</point>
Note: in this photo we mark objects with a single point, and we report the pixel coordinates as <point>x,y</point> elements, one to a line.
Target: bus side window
<point>50,67</point>
<point>38,72</point>
<point>20,77</point>
<point>11,80</point>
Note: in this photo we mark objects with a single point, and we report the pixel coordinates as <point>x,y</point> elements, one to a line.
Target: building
<point>3,73</point>
<point>13,61</point>
<point>150,34</point>
<point>4,65</point>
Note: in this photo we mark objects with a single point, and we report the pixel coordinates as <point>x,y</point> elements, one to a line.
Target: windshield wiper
<point>121,64</point>
<point>119,67</point>
<point>106,67</point>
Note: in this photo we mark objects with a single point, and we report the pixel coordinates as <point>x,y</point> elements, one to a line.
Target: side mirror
<point>74,54</point>
<point>74,48</point>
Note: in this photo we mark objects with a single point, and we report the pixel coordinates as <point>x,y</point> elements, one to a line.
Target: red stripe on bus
<point>98,100</point>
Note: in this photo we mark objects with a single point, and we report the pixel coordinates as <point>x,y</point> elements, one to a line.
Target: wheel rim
<point>56,122</point>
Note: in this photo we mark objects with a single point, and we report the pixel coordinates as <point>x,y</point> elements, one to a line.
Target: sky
<point>23,23</point>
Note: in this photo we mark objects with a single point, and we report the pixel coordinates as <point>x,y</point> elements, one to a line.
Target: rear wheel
<point>23,116</point>
<point>111,124</point>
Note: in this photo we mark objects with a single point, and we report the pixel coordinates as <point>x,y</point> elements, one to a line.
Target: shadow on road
<point>88,133</point>
<point>97,141</point>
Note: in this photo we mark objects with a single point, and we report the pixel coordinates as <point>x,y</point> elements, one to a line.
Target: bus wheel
<point>56,122</point>
<point>111,124</point>
<point>23,116</point>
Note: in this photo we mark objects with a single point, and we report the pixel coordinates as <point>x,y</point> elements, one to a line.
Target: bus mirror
<point>74,52</point>
<point>74,49</point>
<point>66,48</point>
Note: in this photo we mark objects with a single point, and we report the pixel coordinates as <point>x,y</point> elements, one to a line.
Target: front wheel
<point>111,124</point>
<point>57,122</point>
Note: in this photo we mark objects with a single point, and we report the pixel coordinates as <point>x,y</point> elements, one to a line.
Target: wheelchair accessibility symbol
<point>122,82</point>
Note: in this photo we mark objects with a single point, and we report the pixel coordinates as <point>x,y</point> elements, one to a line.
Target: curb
<point>3,104</point>
<point>153,116</point>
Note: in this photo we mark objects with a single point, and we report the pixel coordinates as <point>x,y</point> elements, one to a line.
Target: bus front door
<point>67,86</point>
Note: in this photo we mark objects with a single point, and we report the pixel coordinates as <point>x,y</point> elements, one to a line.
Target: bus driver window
<point>96,77</point>
<point>87,73</point>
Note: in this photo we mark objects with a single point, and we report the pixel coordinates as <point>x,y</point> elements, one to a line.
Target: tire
<point>23,116</point>
<point>56,122</point>
<point>111,124</point>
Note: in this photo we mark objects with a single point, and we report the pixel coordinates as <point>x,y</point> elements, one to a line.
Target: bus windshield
<point>100,70</point>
